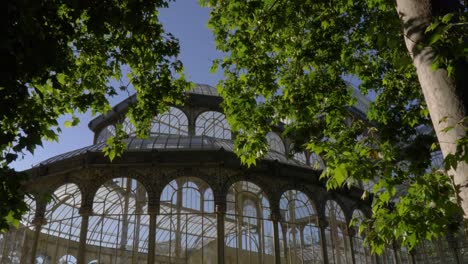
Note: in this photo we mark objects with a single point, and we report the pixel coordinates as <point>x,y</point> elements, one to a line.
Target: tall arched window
<point>435,251</point>
<point>248,229</point>
<point>275,143</point>
<point>186,225</point>
<point>299,232</point>
<point>361,252</point>
<point>337,238</point>
<point>118,229</point>
<point>172,122</point>
<point>63,224</point>
<point>212,124</point>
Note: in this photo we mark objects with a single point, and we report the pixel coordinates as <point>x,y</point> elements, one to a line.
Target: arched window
<point>67,259</point>
<point>368,186</point>
<point>275,143</point>
<point>63,224</point>
<point>105,133</point>
<point>212,124</point>
<point>65,204</point>
<point>119,225</point>
<point>316,161</point>
<point>186,225</point>
<point>300,235</point>
<point>361,252</point>
<point>435,251</point>
<point>42,258</point>
<point>248,229</point>
<point>28,217</point>
<point>338,247</point>
<point>300,157</point>
<point>208,199</point>
<point>172,122</point>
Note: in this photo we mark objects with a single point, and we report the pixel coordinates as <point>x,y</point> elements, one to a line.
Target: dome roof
<point>204,89</point>
<point>167,143</point>
<point>200,90</point>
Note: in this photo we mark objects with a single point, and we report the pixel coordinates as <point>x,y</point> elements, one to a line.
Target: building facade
<point>182,196</point>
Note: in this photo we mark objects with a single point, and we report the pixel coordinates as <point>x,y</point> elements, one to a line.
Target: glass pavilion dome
<point>182,196</point>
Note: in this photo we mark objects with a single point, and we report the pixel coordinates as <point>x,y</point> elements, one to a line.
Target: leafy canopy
<point>288,60</point>
<point>59,57</point>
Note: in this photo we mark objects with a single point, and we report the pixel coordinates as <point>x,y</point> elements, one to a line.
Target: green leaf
<point>450,70</point>
<point>11,219</point>
<point>432,26</point>
<point>447,18</point>
<point>435,37</point>
<point>61,78</point>
<point>340,174</point>
<point>68,124</point>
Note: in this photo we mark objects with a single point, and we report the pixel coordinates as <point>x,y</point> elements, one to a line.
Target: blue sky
<point>187,21</point>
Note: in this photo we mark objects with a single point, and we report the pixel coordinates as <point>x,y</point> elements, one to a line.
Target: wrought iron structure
<point>182,196</point>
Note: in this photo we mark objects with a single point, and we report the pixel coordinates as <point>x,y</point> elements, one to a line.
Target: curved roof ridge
<point>169,143</point>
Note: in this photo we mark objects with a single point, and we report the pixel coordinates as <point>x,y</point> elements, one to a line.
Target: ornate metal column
<point>285,241</point>
<point>220,213</point>
<point>351,234</point>
<point>395,253</point>
<point>153,213</point>
<point>275,218</point>
<point>25,249</point>
<point>178,233</point>
<point>453,244</point>
<point>39,221</point>
<point>323,223</point>
<point>413,260</point>
<point>85,212</point>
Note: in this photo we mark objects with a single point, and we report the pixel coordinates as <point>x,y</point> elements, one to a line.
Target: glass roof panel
<point>204,89</point>
<point>169,142</point>
<point>128,127</point>
<point>105,133</point>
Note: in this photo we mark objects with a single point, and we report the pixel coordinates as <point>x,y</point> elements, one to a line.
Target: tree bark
<point>445,98</point>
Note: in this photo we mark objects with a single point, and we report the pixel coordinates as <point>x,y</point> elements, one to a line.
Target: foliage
<point>288,60</point>
<point>11,207</point>
<point>59,57</point>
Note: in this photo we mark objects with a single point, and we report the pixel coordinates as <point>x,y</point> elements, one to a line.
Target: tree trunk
<point>445,98</point>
